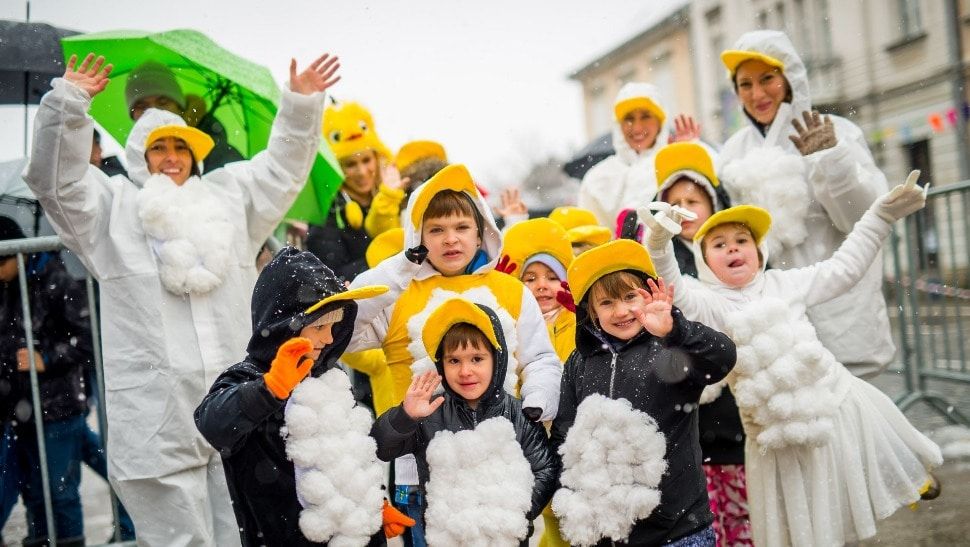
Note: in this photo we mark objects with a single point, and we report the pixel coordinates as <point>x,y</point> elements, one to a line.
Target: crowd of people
<point>678,360</point>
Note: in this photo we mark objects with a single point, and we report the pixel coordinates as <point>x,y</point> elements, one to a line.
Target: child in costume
<point>302,321</point>
<point>686,179</point>
<point>826,454</point>
<point>635,356</point>
<point>499,489</point>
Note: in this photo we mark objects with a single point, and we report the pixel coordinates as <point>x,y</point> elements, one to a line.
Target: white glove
<point>664,224</point>
<point>904,199</point>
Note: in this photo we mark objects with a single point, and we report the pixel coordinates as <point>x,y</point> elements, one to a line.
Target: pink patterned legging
<point>729,503</point>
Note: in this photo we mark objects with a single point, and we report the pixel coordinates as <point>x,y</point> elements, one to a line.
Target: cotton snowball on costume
<point>480,487</point>
<point>603,496</point>
<point>338,476</point>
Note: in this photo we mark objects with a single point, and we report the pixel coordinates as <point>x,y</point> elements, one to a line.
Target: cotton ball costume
<point>338,475</point>
<point>613,459</point>
<point>480,487</point>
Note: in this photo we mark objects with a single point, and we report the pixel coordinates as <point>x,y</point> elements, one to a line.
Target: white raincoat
<point>827,192</point>
<point>162,350</point>
<point>627,178</point>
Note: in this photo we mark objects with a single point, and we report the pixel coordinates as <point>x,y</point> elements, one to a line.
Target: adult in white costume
<point>175,258</point>
<point>816,179</point>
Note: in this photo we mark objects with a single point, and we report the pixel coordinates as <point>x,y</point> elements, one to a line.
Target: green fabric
<point>248,103</point>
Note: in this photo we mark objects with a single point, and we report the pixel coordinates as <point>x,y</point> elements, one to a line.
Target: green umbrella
<point>241,95</point>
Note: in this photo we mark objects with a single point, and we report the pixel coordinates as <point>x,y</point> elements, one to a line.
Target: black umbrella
<point>596,151</point>
<point>30,57</point>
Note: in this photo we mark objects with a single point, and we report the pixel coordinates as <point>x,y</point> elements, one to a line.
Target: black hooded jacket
<point>663,378</point>
<point>397,434</point>
<point>241,417</point>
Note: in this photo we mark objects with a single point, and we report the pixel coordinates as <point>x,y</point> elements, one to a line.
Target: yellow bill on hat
<point>360,293</point>
<point>449,314</point>
<point>454,177</point>
<point>198,142</point>
<point>623,108</point>
<point>621,254</point>
<point>593,234</point>
<point>572,217</point>
<point>418,150</point>
<point>755,218</point>
<point>683,156</point>
<point>384,246</point>
<point>732,59</point>
<point>538,235</point>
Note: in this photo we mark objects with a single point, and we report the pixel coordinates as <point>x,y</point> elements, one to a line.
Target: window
<point>909,18</point>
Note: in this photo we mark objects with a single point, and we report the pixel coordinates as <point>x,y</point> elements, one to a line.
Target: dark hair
<point>613,285</point>
<point>788,95</point>
<point>422,170</point>
<point>460,336</point>
<point>448,203</point>
<point>193,170</point>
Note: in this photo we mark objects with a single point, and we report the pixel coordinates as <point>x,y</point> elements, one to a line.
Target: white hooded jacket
<point>627,178</point>
<point>163,350</point>
<point>814,200</point>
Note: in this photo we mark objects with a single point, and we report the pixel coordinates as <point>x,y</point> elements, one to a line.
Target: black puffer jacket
<point>340,246</point>
<point>663,378</point>
<point>62,335</point>
<point>397,434</point>
<point>242,419</point>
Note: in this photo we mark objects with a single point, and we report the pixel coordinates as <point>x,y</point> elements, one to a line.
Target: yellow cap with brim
<point>538,235</point>
<point>755,218</point>
<point>733,58</point>
<point>418,150</point>
<point>360,293</point>
<point>572,217</point>
<point>454,177</point>
<point>683,156</point>
<point>198,142</point>
<point>592,234</point>
<point>449,314</point>
<point>384,246</point>
<point>623,108</point>
<point>622,254</point>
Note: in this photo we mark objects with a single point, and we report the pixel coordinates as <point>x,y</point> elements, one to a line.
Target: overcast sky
<point>488,79</point>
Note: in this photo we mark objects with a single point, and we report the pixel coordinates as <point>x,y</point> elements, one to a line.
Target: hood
<point>629,91</point>
<point>705,274</point>
<point>152,119</point>
<point>776,44</point>
<point>288,285</point>
<point>454,176</point>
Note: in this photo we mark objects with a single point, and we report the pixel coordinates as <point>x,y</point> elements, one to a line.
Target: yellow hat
<point>592,233</point>
<point>538,235</point>
<point>454,177</point>
<point>419,150</point>
<point>449,314</point>
<point>360,293</point>
<point>571,217</point>
<point>199,143</point>
<point>623,108</point>
<point>683,156</point>
<point>384,246</point>
<point>755,218</point>
<point>621,254</point>
<point>732,59</point>
<point>349,129</point>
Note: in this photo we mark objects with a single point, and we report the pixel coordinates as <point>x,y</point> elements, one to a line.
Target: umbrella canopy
<point>242,95</point>
<point>30,56</point>
<point>596,151</point>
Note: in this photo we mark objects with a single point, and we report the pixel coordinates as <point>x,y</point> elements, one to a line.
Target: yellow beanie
<point>384,246</point>
<point>755,218</point>
<point>349,129</point>
<point>538,235</point>
<point>571,217</point>
<point>419,150</point>
<point>621,254</point>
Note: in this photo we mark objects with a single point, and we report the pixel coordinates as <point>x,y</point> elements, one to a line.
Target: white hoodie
<point>814,200</point>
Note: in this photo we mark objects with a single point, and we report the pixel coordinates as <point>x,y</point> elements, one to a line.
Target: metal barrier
<point>931,290</point>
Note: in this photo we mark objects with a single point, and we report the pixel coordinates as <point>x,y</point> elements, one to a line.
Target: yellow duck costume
<point>583,230</point>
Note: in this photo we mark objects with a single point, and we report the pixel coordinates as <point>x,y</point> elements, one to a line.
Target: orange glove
<point>394,521</point>
<point>288,368</point>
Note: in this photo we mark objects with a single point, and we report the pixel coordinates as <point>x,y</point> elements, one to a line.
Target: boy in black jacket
<point>303,319</point>
<point>468,344</point>
<point>632,344</point>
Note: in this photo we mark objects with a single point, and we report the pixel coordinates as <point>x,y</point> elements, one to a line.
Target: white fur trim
<point>479,295</point>
<point>480,487</point>
<point>784,377</point>
<point>338,475</point>
<point>191,231</point>
<point>613,459</point>
<point>774,180</point>
<point>712,392</point>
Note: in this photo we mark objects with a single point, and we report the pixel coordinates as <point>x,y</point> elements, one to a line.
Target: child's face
<point>320,334</point>
<point>468,371</point>
<point>544,284</point>
<point>451,241</point>
<point>615,315</point>
<point>731,253</point>
<point>690,196</point>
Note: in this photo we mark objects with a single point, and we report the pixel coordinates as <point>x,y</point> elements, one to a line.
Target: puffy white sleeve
<point>541,367</point>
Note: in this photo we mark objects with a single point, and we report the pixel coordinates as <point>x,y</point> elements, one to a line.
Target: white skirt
<point>833,494</point>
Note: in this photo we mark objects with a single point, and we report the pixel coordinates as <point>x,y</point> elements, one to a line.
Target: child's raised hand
<point>903,200</point>
<point>417,402</point>
<point>90,76</point>
<point>658,302</point>
<point>290,367</point>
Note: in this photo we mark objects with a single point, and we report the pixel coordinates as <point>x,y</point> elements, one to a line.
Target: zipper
<point>613,370</point>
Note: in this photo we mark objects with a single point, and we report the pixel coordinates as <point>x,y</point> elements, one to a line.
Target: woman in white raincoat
<point>175,258</point>
<point>814,175</point>
<point>626,179</point>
